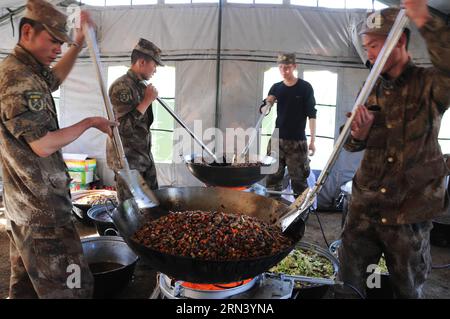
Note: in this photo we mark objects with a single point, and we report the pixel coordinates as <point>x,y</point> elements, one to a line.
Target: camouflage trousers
<point>40,257</point>
<point>406,249</point>
<point>123,193</point>
<point>294,155</point>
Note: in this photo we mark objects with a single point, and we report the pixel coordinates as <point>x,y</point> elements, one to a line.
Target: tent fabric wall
<point>195,104</point>
<point>80,98</point>
<point>173,29</point>
<point>241,95</point>
<point>251,39</point>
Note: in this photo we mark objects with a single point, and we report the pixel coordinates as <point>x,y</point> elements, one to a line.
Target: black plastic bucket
<point>440,234</point>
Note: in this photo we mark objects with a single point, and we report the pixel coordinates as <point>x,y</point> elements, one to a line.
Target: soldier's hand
<point>85,19</point>
<point>265,107</point>
<point>312,148</point>
<point>104,125</point>
<point>417,11</point>
<point>150,94</point>
<point>362,123</point>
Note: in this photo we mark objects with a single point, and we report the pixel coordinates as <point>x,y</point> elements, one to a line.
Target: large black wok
<point>128,220</point>
<point>228,175</point>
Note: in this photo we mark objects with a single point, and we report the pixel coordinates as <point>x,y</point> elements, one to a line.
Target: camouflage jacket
<point>126,93</point>
<point>400,178</point>
<point>36,189</point>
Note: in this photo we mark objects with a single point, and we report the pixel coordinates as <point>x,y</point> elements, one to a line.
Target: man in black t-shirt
<point>295,103</point>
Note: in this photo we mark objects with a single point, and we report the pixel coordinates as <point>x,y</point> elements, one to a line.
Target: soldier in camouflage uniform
<point>399,186</point>
<point>132,101</point>
<point>44,241</point>
<point>295,103</point>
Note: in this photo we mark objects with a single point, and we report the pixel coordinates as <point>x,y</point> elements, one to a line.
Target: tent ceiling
<point>440,5</point>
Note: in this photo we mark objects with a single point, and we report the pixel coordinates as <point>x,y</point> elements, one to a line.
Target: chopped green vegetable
<point>382,265</point>
<point>301,262</point>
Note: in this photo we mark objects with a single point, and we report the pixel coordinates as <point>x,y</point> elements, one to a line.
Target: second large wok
<point>128,219</point>
<point>228,175</point>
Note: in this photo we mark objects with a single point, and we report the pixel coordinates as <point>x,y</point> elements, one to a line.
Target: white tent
<point>251,36</point>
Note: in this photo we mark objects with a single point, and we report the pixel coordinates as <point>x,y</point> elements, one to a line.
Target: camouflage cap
<point>379,22</point>
<point>286,58</point>
<point>53,20</point>
<point>150,49</point>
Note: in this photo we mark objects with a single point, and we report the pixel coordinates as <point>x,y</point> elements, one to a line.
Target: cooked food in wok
<point>302,262</point>
<point>212,236</point>
<point>92,199</point>
<point>235,163</point>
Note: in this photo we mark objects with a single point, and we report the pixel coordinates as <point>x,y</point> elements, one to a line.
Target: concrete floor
<point>437,286</point>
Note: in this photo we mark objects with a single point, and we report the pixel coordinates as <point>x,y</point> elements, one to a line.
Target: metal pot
<point>112,263</point>
<point>128,219</point>
<point>226,175</point>
<point>102,221</point>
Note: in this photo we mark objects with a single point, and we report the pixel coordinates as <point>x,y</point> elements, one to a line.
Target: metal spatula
<point>180,121</point>
<point>298,209</point>
<point>254,132</point>
<point>143,195</point>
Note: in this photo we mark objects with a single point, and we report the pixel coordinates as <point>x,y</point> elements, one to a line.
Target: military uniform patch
<point>35,101</point>
<point>125,96</point>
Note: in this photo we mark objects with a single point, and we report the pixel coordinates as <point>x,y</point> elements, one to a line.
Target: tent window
<point>240,1</point>
<point>190,1</point>
<point>444,134</point>
<point>256,1</point>
<point>269,1</point>
<point>205,1</point>
<point>118,2</point>
<point>94,2</point>
<point>332,3</point>
<point>176,1</point>
<point>341,4</point>
<point>324,84</point>
<point>140,2</point>
<point>364,4</point>
<point>306,3</point>
<point>57,97</point>
<point>163,124</point>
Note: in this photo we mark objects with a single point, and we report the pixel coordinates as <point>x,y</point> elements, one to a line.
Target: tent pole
<point>218,62</point>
